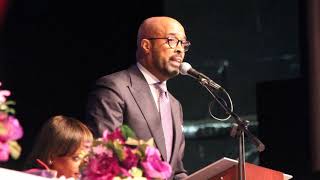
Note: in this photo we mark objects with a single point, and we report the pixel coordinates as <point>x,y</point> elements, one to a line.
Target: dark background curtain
<point>258,50</point>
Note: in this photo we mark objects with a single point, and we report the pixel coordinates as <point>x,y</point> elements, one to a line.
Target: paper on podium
<point>218,167</point>
<point>13,174</point>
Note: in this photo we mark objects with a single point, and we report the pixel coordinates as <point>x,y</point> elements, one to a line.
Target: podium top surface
<point>213,169</point>
<point>218,167</point>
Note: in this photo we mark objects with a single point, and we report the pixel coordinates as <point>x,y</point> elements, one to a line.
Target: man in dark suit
<point>132,96</point>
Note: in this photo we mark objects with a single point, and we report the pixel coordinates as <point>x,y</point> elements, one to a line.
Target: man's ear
<point>145,45</point>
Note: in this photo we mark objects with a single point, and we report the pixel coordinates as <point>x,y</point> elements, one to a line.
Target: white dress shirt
<point>152,81</point>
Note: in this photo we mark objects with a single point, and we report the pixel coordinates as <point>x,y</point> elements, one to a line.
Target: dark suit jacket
<point>125,97</point>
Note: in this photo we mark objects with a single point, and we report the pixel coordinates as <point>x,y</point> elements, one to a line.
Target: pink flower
<point>3,116</point>
<point>4,151</point>
<point>113,156</point>
<point>3,94</point>
<point>100,149</point>
<point>105,135</point>
<point>116,135</point>
<point>153,165</point>
<point>103,167</point>
<point>13,129</point>
<point>10,129</point>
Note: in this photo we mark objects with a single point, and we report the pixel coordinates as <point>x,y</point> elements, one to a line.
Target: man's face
<point>165,60</point>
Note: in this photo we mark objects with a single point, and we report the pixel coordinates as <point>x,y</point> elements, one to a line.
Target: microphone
<point>186,69</point>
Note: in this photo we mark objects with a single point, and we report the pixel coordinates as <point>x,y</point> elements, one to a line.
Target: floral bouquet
<point>119,155</point>
<point>10,129</point>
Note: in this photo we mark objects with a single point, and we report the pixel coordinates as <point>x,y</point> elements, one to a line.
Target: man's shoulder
<point>118,78</point>
<point>115,76</point>
<point>174,98</point>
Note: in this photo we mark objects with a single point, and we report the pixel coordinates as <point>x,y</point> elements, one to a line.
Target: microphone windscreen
<point>184,68</point>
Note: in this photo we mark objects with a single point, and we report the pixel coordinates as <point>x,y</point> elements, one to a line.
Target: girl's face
<point>68,166</point>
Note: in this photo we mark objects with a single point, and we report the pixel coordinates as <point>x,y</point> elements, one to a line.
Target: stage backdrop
<point>52,52</point>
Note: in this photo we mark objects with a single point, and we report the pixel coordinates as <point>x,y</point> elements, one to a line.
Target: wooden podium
<point>227,169</point>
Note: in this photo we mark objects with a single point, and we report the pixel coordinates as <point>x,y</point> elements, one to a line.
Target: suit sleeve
<point>105,107</point>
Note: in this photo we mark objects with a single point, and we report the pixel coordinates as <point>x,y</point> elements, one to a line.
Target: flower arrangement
<point>120,155</point>
<point>10,129</point>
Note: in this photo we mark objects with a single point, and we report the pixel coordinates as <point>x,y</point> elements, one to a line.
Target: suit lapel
<point>141,92</point>
<point>175,109</point>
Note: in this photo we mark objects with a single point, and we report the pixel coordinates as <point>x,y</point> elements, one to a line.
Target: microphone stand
<point>240,127</point>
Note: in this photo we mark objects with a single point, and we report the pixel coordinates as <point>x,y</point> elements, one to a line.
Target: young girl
<point>60,146</point>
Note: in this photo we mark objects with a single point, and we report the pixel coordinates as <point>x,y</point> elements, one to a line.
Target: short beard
<point>170,72</point>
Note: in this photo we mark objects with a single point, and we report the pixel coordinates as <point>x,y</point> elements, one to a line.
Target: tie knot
<point>161,86</point>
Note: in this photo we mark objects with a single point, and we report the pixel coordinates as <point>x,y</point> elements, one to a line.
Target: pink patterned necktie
<point>166,117</point>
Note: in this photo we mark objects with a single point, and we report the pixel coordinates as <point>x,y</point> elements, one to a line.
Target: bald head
<point>153,49</point>
<point>156,27</point>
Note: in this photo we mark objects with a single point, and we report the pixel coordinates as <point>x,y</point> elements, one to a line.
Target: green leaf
<point>97,142</point>
<point>10,102</point>
<point>119,149</point>
<point>11,111</point>
<point>127,132</point>
<point>15,149</point>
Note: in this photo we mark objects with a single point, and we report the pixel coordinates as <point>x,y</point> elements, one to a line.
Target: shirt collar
<point>151,79</point>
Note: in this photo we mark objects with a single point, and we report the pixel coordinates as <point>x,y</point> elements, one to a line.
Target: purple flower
<point>153,166</point>
<point>131,159</point>
<point>42,172</point>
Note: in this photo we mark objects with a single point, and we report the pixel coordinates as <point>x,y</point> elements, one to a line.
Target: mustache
<point>175,57</point>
